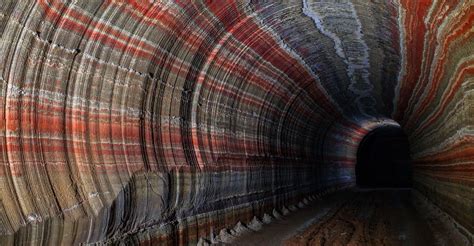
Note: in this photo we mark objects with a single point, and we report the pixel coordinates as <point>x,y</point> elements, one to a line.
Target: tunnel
<point>251,122</point>
<point>383,159</point>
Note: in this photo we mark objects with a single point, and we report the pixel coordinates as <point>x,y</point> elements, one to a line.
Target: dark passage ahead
<point>383,159</point>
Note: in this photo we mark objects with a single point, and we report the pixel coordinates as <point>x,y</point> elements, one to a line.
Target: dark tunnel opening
<point>383,159</point>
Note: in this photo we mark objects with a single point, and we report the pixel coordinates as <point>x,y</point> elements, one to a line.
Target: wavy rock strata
<point>167,121</point>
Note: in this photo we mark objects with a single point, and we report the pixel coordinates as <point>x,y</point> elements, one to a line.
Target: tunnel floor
<point>352,217</point>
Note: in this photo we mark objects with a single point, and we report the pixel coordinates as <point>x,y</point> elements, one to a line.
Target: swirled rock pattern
<point>167,121</point>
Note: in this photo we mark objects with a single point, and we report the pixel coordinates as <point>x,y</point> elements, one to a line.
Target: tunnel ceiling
<point>157,115</point>
<point>333,39</point>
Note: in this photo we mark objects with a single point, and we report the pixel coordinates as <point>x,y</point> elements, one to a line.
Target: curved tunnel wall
<point>172,119</point>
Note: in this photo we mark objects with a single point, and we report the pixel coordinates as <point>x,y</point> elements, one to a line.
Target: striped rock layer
<point>167,121</point>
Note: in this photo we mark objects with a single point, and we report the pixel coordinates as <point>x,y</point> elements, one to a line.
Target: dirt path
<point>369,217</point>
<point>279,230</point>
<point>356,217</point>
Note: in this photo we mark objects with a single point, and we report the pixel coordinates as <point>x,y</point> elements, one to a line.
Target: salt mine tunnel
<point>251,122</point>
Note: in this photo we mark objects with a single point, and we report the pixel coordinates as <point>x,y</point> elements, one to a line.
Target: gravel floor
<point>351,217</point>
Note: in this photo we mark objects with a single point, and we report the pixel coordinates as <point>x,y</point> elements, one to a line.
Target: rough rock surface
<point>170,121</point>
